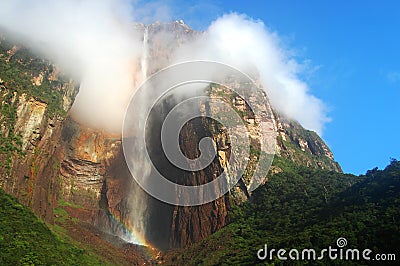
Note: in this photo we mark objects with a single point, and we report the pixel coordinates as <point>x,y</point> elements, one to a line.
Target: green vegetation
<point>26,240</point>
<point>313,153</point>
<point>10,143</point>
<point>313,156</point>
<point>63,203</point>
<point>18,67</point>
<point>307,208</point>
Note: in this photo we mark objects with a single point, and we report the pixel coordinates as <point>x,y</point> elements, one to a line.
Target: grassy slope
<point>305,208</point>
<point>26,240</point>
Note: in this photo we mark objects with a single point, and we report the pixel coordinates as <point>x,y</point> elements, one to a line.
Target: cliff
<point>49,161</point>
<point>33,104</point>
<point>294,143</point>
<point>302,147</point>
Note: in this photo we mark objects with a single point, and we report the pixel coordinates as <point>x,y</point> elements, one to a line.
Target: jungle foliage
<point>307,208</point>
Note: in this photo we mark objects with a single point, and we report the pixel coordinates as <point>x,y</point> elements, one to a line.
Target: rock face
<point>29,155</point>
<point>185,225</point>
<point>191,224</point>
<point>93,176</point>
<point>302,146</point>
<point>86,154</point>
<point>49,160</point>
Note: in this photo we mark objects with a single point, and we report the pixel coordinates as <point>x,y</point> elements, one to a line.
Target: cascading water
<point>145,54</point>
<point>132,227</point>
<point>137,198</point>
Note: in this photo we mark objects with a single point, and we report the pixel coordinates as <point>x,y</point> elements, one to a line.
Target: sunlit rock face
<point>86,155</point>
<point>31,141</point>
<point>94,177</point>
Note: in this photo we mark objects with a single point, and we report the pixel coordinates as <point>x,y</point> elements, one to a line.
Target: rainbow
<point>130,235</point>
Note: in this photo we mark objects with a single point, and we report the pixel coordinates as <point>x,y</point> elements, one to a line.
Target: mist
<point>92,41</point>
<point>96,43</point>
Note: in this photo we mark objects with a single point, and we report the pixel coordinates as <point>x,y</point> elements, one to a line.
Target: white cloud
<point>91,40</point>
<point>242,42</point>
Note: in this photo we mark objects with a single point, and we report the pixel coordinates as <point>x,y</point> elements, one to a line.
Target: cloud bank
<point>247,44</point>
<point>95,42</point>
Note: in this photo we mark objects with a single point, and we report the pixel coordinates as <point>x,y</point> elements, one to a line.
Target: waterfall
<point>133,224</point>
<point>145,53</point>
<point>137,198</point>
<point>138,213</point>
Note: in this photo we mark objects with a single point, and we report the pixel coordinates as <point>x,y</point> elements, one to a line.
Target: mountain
<point>53,164</point>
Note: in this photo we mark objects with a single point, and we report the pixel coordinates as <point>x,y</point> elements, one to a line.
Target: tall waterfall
<point>137,198</point>
<point>145,53</point>
<point>132,227</point>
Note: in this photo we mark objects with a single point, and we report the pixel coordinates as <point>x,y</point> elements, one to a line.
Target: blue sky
<point>354,66</point>
<point>356,47</point>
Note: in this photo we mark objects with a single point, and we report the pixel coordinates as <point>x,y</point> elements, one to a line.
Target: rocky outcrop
<point>302,146</point>
<point>29,119</point>
<point>30,139</point>
<point>85,155</point>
